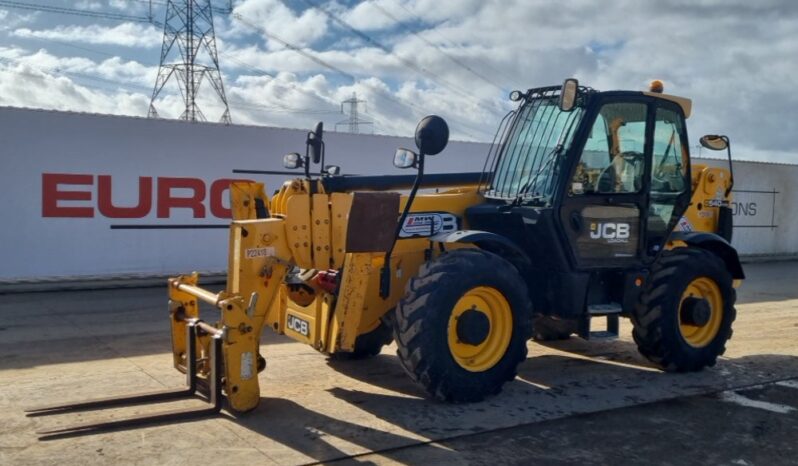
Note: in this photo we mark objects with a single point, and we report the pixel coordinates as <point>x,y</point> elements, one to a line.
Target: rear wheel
<point>685,314</point>
<point>462,327</point>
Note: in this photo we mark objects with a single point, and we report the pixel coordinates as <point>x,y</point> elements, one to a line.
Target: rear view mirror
<point>714,142</point>
<point>315,142</point>
<point>720,142</point>
<point>404,158</point>
<point>570,87</point>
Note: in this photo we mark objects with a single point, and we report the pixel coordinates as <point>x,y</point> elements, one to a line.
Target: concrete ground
<point>575,401</point>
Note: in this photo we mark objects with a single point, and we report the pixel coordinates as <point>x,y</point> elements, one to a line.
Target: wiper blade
<point>536,199</point>
<point>523,191</point>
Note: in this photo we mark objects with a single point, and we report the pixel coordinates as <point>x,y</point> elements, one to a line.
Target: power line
<point>71,74</point>
<point>295,48</point>
<point>417,111</point>
<point>74,11</point>
<point>451,58</point>
<point>238,103</point>
<point>410,64</point>
<point>486,65</point>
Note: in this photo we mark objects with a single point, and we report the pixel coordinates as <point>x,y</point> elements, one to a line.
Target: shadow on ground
<point>548,387</point>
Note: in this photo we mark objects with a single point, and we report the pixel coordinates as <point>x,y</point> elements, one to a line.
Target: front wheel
<point>685,313</point>
<point>463,324</point>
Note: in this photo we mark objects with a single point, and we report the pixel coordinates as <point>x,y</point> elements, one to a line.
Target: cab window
<point>668,173</point>
<point>669,163</point>
<point>612,160</point>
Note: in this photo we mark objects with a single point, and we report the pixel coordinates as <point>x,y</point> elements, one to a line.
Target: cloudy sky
<point>290,63</point>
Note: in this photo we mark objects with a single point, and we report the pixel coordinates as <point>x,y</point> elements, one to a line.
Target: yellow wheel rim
<point>699,336</point>
<point>483,356</point>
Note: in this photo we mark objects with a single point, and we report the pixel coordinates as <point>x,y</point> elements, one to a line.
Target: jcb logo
<point>298,325</point>
<point>617,232</point>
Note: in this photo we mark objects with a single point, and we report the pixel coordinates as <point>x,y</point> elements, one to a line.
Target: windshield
<point>528,159</point>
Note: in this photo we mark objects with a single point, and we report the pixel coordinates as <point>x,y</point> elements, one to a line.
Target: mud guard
<point>715,244</point>
<point>488,241</point>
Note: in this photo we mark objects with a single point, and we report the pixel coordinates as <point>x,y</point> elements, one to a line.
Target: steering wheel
<point>632,156</point>
<point>608,176</point>
<point>668,183</point>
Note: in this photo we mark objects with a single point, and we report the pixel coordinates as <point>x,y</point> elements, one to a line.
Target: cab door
<point>604,207</point>
<point>669,181</point>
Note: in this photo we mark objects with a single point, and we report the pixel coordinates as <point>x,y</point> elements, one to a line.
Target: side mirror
<point>404,158</point>
<point>570,87</point>
<point>315,142</point>
<point>292,160</point>
<point>432,135</point>
<point>714,142</point>
<point>720,142</point>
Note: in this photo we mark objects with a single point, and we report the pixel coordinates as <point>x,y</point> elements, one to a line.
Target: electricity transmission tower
<point>188,55</point>
<point>354,121</point>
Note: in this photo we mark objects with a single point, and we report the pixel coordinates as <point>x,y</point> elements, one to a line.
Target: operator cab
<point>591,191</point>
<point>593,168</point>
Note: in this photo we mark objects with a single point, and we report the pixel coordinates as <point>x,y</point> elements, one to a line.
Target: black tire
<point>656,317</point>
<point>422,321</point>
<point>547,328</point>
<point>369,344</point>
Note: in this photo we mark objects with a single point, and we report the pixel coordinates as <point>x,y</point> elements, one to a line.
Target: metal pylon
<point>189,55</point>
<point>354,121</point>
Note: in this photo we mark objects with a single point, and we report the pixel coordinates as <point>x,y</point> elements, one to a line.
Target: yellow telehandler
<point>588,206</point>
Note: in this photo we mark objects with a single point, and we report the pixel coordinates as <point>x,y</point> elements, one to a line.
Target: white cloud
<point>112,73</point>
<point>459,58</point>
<point>10,20</point>
<point>25,86</point>
<point>274,16</point>
<point>125,34</point>
<point>88,5</point>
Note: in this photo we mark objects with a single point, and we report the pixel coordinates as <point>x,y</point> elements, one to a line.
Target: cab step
<point>609,333</point>
<point>604,309</point>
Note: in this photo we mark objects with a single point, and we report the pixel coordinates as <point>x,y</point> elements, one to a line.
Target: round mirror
<point>714,142</point>
<point>432,135</point>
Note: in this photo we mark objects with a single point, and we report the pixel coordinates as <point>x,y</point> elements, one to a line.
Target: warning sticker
<point>246,365</point>
<point>684,225</point>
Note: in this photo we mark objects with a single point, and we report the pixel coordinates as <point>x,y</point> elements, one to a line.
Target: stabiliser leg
<point>214,398</point>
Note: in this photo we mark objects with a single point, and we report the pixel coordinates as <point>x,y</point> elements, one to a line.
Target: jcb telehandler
<point>588,206</point>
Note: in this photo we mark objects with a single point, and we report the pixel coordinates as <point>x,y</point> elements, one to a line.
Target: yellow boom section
<point>709,186</point>
<point>311,274</point>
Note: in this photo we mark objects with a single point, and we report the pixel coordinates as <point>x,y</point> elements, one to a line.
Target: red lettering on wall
<point>172,193</point>
<point>105,202</point>
<point>51,195</point>
<point>194,202</point>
